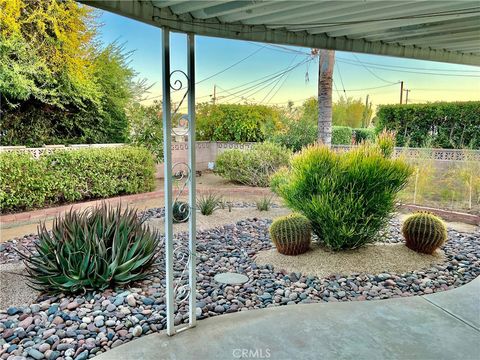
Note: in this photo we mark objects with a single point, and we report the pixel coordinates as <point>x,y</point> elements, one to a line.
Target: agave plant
<point>264,203</point>
<point>94,249</point>
<point>209,202</point>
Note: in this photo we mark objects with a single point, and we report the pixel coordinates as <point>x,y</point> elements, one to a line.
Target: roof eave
<point>163,17</point>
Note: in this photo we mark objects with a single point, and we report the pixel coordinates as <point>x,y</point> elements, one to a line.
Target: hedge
<point>253,166</point>
<point>341,135</point>
<point>235,122</point>
<point>364,134</point>
<point>445,125</point>
<point>66,176</point>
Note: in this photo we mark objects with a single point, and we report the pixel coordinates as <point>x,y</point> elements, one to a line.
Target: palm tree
<point>325,78</point>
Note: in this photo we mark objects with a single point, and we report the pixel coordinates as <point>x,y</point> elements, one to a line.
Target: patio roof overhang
<point>446,31</point>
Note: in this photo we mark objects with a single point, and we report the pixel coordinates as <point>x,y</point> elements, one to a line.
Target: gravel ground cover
<point>79,327</point>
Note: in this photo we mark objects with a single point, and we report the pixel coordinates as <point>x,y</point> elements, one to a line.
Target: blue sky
<point>213,55</point>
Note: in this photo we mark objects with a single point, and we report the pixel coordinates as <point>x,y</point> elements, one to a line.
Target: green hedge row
<point>66,176</point>
<point>446,125</point>
<point>235,122</point>
<point>343,135</point>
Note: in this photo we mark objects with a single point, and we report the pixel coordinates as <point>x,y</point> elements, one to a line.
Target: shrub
<point>341,135</point>
<point>424,232</point>
<point>386,143</point>
<point>235,122</point>
<point>146,127</point>
<point>95,249</point>
<point>348,197</point>
<point>252,166</point>
<point>264,203</point>
<point>364,134</point>
<point>295,134</point>
<point>24,182</point>
<point>208,203</point>
<point>291,234</point>
<point>447,124</point>
<point>180,211</point>
<point>67,176</point>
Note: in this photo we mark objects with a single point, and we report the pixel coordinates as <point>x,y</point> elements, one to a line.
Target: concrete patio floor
<point>444,325</point>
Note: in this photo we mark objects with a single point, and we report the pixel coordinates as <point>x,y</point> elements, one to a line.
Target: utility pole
<point>401,92</point>
<point>406,95</point>
<point>365,113</point>
<point>214,94</point>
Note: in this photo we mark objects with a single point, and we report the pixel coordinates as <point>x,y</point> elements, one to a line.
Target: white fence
<point>429,153</point>
<point>207,152</point>
<point>48,149</point>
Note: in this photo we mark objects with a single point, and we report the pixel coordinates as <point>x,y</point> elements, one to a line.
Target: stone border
<point>448,215</point>
<point>53,211</point>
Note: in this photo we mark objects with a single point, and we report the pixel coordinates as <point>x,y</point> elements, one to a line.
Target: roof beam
<point>163,17</point>
<point>189,6</point>
<point>370,26</point>
<point>419,30</point>
<point>439,38</point>
<point>386,25</point>
<point>316,10</point>
<point>166,3</point>
<point>262,10</point>
<point>224,9</point>
<point>346,14</point>
<point>458,45</point>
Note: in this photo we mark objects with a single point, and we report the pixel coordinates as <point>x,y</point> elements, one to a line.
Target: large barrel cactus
<point>424,232</point>
<point>291,234</point>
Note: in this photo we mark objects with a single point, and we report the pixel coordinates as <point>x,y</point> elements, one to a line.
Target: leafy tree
<point>345,112</point>
<point>234,122</point>
<point>145,127</point>
<point>57,83</point>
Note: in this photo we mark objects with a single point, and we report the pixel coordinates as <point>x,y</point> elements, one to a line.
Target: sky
<point>356,75</point>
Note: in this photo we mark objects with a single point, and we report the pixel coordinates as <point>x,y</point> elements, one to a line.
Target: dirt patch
<point>13,286</point>
<point>221,217</point>
<point>371,259</point>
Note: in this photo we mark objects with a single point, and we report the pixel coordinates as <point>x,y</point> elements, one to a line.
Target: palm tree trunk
<point>325,77</point>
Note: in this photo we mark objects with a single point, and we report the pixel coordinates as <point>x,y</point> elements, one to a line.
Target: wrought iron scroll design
<point>182,176</point>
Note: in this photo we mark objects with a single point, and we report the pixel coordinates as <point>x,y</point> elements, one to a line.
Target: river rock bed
<point>69,327</point>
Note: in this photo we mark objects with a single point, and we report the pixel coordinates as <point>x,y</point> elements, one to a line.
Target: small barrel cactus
<point>181,211</point>
<point>291,234</point>
<point>424,232</point>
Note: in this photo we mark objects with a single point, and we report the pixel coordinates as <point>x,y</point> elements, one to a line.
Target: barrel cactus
<point>180,211</point>
<point>291,234</point>
<point>424,232</point>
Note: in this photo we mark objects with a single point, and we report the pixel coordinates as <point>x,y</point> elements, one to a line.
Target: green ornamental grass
<point>348,197</point>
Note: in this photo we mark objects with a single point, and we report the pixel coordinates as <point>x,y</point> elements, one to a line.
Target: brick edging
<point>52,211</point>
<point>448,215</point>
<point>42,213</point>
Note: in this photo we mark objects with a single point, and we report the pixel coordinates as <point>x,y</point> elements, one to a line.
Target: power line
<point>231,66</point>
<point>341,80</point>
<point>336,89</point>
<point>405,67</point>
<point>285,77</point>
<point>385,68</point>
<point>283,49</point>
<point>269,80</point>
<point>371,72</point>
<point>378,65</point>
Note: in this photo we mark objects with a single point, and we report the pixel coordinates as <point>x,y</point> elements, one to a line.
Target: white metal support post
<point>192,278</point>
<point>167,158</point>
